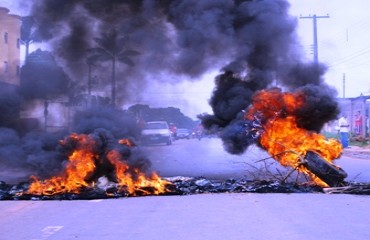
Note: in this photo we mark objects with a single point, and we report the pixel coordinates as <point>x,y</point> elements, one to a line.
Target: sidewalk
<point>356,151</point>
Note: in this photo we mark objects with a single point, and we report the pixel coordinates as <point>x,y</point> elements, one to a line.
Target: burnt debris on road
<point>182,186</point>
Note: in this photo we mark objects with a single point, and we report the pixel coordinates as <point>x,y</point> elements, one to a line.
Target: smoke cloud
<point>252,42</point>
<point>174,37</point>
<point>40,153</point>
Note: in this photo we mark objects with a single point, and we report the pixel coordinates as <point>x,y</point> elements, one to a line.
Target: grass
<point>359,143</point>
<point>354,141</point>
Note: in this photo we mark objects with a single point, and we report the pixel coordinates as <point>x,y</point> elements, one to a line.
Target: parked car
<point>183,133</point>
<point>156,132</point>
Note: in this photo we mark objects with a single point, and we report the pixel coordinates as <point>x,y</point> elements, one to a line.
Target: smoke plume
<point>252,42</point>
<point>174,37</point>
<point>40,153</point>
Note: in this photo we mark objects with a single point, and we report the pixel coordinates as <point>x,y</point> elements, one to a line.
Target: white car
<point>183,133</point>
<point>156,132</point>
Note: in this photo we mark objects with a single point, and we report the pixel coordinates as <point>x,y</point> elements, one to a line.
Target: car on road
<point>183,133</point>
<point>156,132</point>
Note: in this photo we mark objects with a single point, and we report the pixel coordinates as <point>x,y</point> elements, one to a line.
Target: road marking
<point>96,200</point>
<point>49,231</point>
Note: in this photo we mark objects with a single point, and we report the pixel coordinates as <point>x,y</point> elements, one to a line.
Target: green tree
<point>169,114</point>
<point>90,61</point>
<point>10,103</point>
<point>112,47</point>
<point>42,78</point>
<point>29,33</point>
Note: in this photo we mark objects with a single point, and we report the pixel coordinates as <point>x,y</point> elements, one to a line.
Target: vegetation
<point>42,78</point>
<point>10,102</point>
<point>358,141</point>
<point>353,139</point>
<point>29,33</point>
<point>112,47</point>
<point>170,114</point>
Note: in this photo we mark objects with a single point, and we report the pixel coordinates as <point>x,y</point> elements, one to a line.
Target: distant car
<point>183,133</point>
<point>156,132</point>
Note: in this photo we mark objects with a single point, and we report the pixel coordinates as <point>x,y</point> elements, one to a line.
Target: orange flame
<point>137,181</point>
<point>282,138</point>
<point>82,164</point>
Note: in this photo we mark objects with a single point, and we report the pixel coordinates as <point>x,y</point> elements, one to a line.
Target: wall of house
<point>351,107</point>
<point>10,31</point>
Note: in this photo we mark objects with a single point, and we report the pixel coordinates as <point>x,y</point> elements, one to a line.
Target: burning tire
<point>329,173</point>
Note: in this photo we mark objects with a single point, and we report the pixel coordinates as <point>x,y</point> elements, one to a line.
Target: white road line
<point>48,232</point>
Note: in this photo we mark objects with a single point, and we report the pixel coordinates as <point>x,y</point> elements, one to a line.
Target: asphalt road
<point>207,158</point>
<point>195,217</point>
<point>196,158</point>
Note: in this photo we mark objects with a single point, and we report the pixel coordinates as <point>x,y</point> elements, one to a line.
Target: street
<point>203,216</point>
<point>207,158</point>
<point>196,217</point>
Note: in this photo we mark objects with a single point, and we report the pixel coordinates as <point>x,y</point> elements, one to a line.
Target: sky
<point>343,45</point>
<point>343,41</point>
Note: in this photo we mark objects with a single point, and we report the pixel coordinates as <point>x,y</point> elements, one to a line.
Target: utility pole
<point>344,85</point>
<point>315,46</point>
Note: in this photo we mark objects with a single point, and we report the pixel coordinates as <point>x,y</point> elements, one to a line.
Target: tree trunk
<point>89,80</point>
<point>114,82</point>
<point>27,45</point>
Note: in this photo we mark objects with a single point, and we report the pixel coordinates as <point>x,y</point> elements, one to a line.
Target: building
<point>10,102</point>
<point>10,32</point>
<point>354,108</point>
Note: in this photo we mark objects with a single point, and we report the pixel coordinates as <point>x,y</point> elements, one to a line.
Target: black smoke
<point>233,95</point>
<point>270,58</point>
<point>253,42</point>
<point>174,37</point>
<point>10,104</point>
<point>41,153</point>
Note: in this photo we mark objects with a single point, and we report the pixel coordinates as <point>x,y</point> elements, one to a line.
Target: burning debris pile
<point>93,156</point>
<point>95,161</point>
<point>285,125</point>
<point>292,145</point>
<point>99,167</point>
<point>265,95</point>
<point>173,186</point>
<point>202,185</point>
<point>179,186</point>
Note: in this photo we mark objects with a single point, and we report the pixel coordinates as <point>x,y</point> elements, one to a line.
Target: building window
<point>18,43</point>
<point>6,38</point>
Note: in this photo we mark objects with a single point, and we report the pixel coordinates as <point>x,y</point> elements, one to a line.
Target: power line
<point>350,57</point>
<point>350,37</point>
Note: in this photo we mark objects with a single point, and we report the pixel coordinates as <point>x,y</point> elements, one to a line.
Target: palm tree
<point>90,61</point>
<point>29,33</point>
<point>111,47</point>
